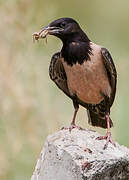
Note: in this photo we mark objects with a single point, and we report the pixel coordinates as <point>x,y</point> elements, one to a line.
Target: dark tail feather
<point>98,120</point>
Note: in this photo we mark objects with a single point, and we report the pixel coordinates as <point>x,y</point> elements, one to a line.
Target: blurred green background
<point>31,107</point>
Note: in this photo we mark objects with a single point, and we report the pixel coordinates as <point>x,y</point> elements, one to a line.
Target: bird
<point>85,72</point>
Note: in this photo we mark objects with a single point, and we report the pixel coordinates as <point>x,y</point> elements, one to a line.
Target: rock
<point>79,156</point>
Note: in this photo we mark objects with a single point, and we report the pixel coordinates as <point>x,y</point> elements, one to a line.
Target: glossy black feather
<point>111,72</point>
<point>73,54</point>
<point>57,73</point>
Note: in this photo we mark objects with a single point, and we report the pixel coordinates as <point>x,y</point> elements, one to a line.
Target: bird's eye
<point>63,24</point>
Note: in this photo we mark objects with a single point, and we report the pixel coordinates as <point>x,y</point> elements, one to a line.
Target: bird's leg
<point>73,125</point>
<point>108,134</point>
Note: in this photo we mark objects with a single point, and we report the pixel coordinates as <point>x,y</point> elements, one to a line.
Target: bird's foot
<point>72,126</point>
<point>108,139</point>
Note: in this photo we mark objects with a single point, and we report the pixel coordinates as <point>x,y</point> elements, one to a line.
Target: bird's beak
<point>52,30</point>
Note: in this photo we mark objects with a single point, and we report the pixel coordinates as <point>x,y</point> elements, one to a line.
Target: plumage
<point>96,111</point>
<point>85,72</point>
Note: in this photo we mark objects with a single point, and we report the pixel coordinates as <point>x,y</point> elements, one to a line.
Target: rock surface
<point>79,156</point>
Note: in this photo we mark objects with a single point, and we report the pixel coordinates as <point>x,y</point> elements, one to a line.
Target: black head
<point>66,29</point>
<point>76,44</point>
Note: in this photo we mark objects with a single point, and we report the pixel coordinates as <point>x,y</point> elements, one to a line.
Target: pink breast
<point>88,81</point>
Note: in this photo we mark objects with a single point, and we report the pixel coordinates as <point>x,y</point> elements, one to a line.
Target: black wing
<point>57,73</point>
<point>96,113</point>
<point>111,72</point>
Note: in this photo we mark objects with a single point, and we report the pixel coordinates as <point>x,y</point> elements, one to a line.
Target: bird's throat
<point>76,52</point>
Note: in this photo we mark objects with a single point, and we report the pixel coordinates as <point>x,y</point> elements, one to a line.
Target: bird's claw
<point>72,126</point>
<point>108,139</point>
